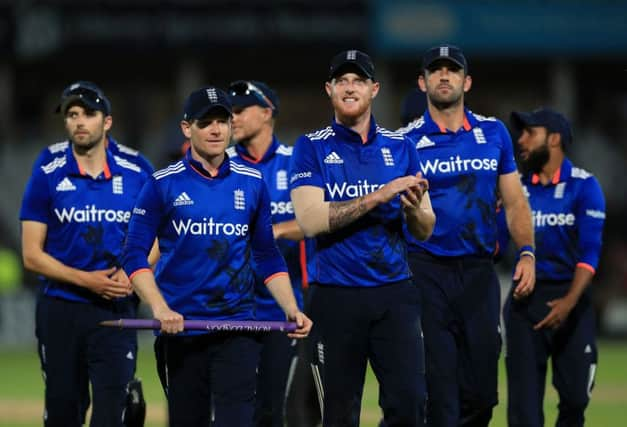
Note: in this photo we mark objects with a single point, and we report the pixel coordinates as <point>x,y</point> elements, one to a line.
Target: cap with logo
<point>244,93</point>
<point>553,121</point>
<point>351,61</point>
<point>85,93</point>
<point>203,100</point>
<point>445,52</point>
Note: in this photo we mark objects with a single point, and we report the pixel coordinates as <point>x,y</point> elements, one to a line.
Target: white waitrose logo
<point>208,227</point>
<point>91,214</point>
<point>351,190</point>
<point>333,158</point>
<point>388,160</point>
<point>118,187</point>
<point>300,175</point>
<point>479,136</point>
<point>424,142</point>
<point>239,201</point>
<point>281,180</point>
<point>551,219</point>
<point>457,164</point>
<point>183,199</point>
<point>66,185</point>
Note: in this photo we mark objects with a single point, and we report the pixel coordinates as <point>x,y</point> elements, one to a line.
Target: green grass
<point>21,390</point>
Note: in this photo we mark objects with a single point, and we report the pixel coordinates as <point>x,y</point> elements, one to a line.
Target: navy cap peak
<point>85,93</point>
<point>552,120</point>
<point>203,100</point>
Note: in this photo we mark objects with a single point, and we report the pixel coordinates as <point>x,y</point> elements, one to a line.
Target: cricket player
<point>212,217</point>
<point>467,159</point>
<point>557,320</point>
<point>353,185</point>
<point>75,214</point>
<point>255,108</point>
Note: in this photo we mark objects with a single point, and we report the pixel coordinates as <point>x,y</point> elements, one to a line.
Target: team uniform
<point>363,303</point>
<point>568,215</point>
<point>209,229</point>
<point>60,148</point>
<point>86,221</point>
<point>460,289</point>
<point>278,353</point>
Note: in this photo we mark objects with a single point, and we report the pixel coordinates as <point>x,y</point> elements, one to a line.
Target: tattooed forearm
<point>343,213</point>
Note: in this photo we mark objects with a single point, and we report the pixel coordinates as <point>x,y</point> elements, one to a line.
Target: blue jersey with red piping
<point>86,217</point>
<point>463,168</point>
<point>60,148</point>
<point>209,229</point>
<point>568,216</point>
<point>274,167</point>
<point>371,251</point>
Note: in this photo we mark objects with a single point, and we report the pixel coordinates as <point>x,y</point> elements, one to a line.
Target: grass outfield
<point>21,390</point>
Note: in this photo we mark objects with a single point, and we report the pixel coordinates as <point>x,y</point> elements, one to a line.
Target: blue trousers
<point>571,348</point>
<point>460,322</point>
<point>378,324</point>
<point>209,379</point>
<point>74,352</point>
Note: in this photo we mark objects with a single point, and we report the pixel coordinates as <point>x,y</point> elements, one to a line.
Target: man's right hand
<point>171,321</point>
<point>398,186</point>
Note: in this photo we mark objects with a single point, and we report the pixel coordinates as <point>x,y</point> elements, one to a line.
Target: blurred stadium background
<point>147,55</point>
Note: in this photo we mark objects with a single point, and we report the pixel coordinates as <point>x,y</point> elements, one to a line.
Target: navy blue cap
<point>86,93</point>
<point>203,100</point>
<point>445,51</point>
<point>553,121</point>
<point>351,60</point>
<point>414,106</point>
<point>244,93</point>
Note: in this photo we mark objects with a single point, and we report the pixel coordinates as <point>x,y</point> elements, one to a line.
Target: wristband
<point>526,250</point>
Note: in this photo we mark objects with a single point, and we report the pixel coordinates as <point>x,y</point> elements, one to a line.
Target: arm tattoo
<point>343,213</point>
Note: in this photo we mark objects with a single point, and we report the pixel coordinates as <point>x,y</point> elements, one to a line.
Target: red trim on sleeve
<point>280,273</point>
<point>586,267</point>
<point>303,264</point>
<point>141,270</point>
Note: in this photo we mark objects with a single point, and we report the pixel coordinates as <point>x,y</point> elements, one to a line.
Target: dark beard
<point>444,105</point>
<point>536,160</point>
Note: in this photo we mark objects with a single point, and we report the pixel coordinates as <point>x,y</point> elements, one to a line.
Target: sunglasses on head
<point>89,95</point>
<point>245,88</point>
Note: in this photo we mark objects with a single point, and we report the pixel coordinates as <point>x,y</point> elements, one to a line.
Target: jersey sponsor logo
<point>91,214</point>
<point>182,200</point>
<point>479,136</point>
<point>66,185</point>
<point>278,208</point>
<point>281,180</point>
<point>595,213</point>
<point>361,188</point>
<point>388,160</point>
<point>118,187</point>
<point>333,159</point>
<point>457,164</point>
<point>239,200</point>
<point>299,175</point>
<point>542,219</point>
<point>208,227</point>
<point>424,142</point>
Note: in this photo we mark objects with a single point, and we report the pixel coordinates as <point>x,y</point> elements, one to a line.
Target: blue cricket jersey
<point>568,215</point>
<point>60,148</point>
<point>274,167</point>
<point>86,217</point>
<point>208,230</point>
<point>370,251</point>
<point>463,168</point>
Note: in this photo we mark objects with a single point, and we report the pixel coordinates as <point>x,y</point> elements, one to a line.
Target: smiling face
<point>210,135</point>
<point>445,84</point>
<point>351,96</point>
<point>86,128</point>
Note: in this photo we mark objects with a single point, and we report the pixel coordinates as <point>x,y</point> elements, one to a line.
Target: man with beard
<point>75,214</point>
<point>467,158</point>
<point>557,320</point>
<point>353,185</point>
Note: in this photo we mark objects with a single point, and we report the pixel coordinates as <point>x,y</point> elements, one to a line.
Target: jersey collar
<point>434,128</point>
<point>348,135</point>
<point>560,175</point>
<point>109,169</point>
<point>197,167</point>
<point>242,152</point>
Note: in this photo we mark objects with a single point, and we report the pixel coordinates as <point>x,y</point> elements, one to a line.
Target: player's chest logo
<point>559,190</point>
<point>117,185</point>
<point>239,200</point>
<point>66,185</point>
<point>281,180</point>
<point>388,160</point>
